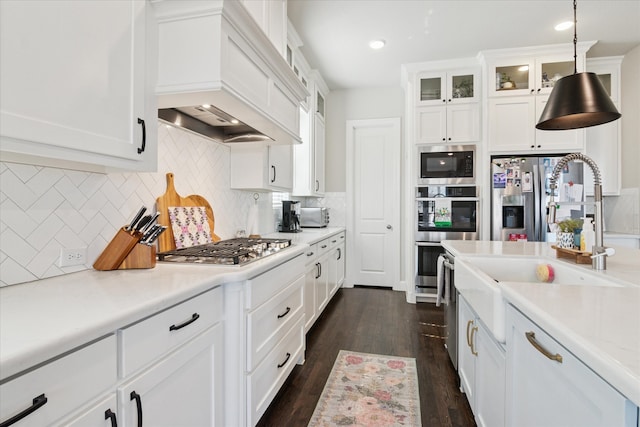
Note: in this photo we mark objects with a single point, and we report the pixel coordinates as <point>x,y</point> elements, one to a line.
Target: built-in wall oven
<point>443,212</point>
<point>446,164</point>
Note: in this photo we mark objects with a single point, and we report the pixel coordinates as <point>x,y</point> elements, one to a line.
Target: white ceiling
<point>336,33</point>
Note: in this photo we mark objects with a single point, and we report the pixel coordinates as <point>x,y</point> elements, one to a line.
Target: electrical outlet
<point>70,257</point>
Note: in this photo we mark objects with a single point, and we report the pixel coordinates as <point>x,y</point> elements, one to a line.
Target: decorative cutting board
<point>172,198</point>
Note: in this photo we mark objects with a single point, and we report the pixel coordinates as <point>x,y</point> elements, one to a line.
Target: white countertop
<point>45,318</point>
<point>600,325</point>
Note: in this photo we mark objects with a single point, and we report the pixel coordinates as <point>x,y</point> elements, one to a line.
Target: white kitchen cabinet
<point>447,107</point>
<point>548,386</point>
<point>457,123</point>
<point>77,84</point>
<point>271,16</point>
<point>184,388</point>
<point>439,87</point>
<point>261,167</point>
<point>310,275</point>
<point>324,274</point>
<point>603,142</point>
<point>174,356</point>
<point>62,386</point>
<point>264,339</point>
<point>481,367</point>
<point>309,157</point>
<point>512,129</point>
<point>519,82</point>
<point>321,278</point>
<point>336,263</point>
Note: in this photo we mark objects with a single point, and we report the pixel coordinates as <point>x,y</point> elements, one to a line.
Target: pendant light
<point>579,100</point>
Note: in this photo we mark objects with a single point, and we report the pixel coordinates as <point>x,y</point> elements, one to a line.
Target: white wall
<point>630,88</point>
<point>44,209</point>
<point>356,104</point>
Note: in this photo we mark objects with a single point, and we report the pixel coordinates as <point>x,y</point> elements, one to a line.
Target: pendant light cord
<point>575,37</point>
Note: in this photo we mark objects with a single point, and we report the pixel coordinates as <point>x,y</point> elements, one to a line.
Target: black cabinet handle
<point>320,265</point>
<point>194,317</point>
<point>280,365</point>
<point>531,90</point>
<point>309,253</point>
<point>274,173</point>
<point>38,402</point>
<point>144,136</point>
<point>109,415</point>
<point>280,316</point>
<point>339,253</point>
<point>317,185</point>
<point>323,246</point>
<point>135,396</point>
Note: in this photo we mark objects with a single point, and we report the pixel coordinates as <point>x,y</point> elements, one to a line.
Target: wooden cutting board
<point>172,198</point>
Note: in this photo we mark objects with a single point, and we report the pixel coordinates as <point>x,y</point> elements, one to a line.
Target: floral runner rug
<point>369,390</point>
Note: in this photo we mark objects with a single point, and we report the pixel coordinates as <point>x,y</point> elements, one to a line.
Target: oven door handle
<point>457,199</point>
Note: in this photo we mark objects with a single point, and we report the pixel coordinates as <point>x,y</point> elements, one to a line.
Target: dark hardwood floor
<point>373,320</point>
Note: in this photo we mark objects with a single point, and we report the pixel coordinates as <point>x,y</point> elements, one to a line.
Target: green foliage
<point>570,225</point>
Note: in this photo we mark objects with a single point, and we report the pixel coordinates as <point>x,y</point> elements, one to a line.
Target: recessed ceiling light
<point>377,44</point>
<point>563,26</point>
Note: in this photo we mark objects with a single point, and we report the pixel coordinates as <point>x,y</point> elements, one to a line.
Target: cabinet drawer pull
<point>473,332</point>
<point>36,404</point>
<point>469,323</point>
<point>333,241</point>
<point>532,340</point>
<point>323,246</point>
<point>144,136</point>
<point>135,396</point>
<point>194,317</point>
<point>280,316</point>
<point>110,415</point>
<point>309,253</point>
<point>280,365</point>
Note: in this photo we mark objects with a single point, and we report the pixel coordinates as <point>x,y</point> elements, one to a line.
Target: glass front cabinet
<point>452,87</point>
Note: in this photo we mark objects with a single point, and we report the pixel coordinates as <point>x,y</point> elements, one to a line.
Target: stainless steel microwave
<point>446,164</point>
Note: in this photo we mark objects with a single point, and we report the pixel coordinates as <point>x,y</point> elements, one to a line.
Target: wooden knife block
<point>124,252</point>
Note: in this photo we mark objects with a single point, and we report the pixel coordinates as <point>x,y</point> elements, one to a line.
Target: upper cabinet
<point>308,157</point>
<point>77,84</point>
<point>447,107</point>
<point>261,167</point>
<point>519,82</point>
<point>447,87</point>
<point>271,16</point>
<point>603,142</point>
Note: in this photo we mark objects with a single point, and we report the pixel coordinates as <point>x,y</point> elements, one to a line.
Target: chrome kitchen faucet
<point>598,253</point>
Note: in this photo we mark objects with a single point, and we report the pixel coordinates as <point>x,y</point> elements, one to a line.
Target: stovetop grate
<point>237,251</point>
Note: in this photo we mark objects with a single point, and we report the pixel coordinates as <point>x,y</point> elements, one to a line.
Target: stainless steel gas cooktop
<point>239,251</point>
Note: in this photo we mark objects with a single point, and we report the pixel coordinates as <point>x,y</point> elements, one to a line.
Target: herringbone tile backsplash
<point>45,209</point>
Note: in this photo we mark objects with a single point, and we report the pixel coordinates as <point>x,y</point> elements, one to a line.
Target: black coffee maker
<point>290,217</point>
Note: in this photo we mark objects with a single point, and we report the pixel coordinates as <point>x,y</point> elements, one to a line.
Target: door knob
<point>389,227</point>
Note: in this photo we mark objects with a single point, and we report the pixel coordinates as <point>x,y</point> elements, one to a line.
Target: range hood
<point>209,121</point>
<point>216,66</point>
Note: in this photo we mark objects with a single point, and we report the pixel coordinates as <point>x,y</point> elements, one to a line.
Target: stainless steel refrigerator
<point>520,194</point>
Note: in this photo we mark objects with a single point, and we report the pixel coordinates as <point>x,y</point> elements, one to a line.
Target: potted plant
<point>567,230</point>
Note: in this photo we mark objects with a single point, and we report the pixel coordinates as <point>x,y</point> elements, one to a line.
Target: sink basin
<point>478,280</point>
<point>524,270</point>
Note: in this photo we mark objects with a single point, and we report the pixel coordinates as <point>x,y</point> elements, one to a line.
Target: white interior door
<point>373,202</point>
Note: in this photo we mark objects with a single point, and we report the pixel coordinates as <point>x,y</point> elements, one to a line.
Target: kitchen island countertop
<point>600,325</point>
<point>42,319</point>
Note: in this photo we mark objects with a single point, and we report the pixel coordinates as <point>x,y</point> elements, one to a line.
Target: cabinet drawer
<point>261,288</point>
<point>149,339</point>
<point>311,254</point>
<point>271,321</point>
<point>336,240</point>
<point>66,383</point>
<point>266,380</point>
<point>323,246</point>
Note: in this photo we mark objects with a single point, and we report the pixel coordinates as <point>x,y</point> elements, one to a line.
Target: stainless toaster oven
<point>314,217</point>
